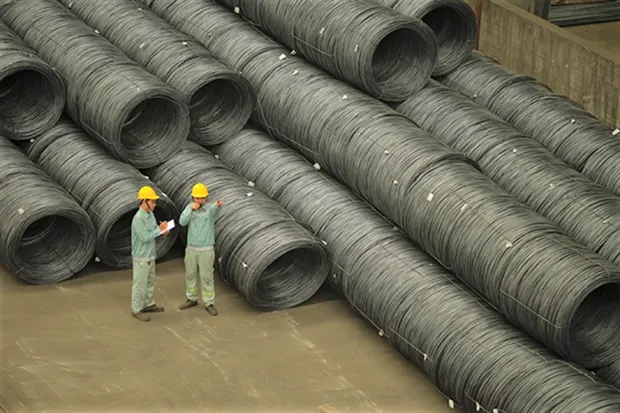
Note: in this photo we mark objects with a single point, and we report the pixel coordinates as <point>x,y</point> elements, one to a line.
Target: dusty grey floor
<point>73,347</point>
<point>604,35</point>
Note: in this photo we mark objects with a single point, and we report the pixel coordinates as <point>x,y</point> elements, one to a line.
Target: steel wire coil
<point>32,94</point>
<point>562,126</point>
<point>104,187</point>
<point>263,252</point>
<point>544,282</point>
<point>45,237</point>
<point>138,117</point>
<point>564,15</point>
<point>220,100</point>
<point>468,350</point>
<point>381,51</point>
<point>453,22</point>
<point>522,166</point>
<point>611,374</point>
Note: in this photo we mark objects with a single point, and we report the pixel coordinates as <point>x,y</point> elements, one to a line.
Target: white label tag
<point>237,10</point>
<point>21,211</point>
<point>451,404</point>
<point>430,196</point>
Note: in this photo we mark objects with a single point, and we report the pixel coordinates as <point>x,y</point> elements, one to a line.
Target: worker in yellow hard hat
<point>199,217</point>
<point>144,231</point>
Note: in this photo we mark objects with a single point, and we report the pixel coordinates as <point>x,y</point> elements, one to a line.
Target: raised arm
<point>186,215</point>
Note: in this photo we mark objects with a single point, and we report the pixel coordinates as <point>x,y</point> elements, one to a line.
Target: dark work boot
<point>211,309</point>
<point>153,309</point>
<point>188,304</point>
<point>141,316</point>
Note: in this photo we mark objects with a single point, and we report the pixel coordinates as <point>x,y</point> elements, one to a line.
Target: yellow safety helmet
<point>146,192</point>
<point>200,191</point>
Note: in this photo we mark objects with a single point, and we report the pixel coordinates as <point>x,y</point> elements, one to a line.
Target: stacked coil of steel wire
<point>263,252</point>
<point>544,282</point>
<point>32,95</point>
<point>575,136</point>
<point>522,166</point>
<point>219,98</point>
<point>453,22</point>
<point>383,52</point>
<point>104,187</point>
<point>138,117</point>
<point>45,237</point>
<point>611,373</point>
<point>469,351</point>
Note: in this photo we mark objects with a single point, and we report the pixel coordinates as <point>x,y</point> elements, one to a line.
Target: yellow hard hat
<point>200,191</point>
<point>146,192</point>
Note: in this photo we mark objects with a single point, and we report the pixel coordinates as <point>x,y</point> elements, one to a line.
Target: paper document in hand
<point>170,225</point>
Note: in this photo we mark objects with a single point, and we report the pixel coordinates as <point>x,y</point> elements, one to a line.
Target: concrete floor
<point>604,35</point>
<point>73,347</point>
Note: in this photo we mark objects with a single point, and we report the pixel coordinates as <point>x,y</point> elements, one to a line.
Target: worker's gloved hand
<point>163,225</point>
<point>219,203</point>
<point>195,206</point>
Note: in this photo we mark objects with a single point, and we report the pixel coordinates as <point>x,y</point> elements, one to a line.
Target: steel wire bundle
<point>453,22</point>
<point>220,100</point>
<point>138,117</point>
<point>104,187</point>
<point>522,166</point>
<point>32,95</point>
<point>468,350</point>
<point>381,51</point>
<point>45,237</point>
<point>565,128</point>
<point>542,281</point>
<point>263,252</point>
<point>611,373</point>
<point>604,11</point>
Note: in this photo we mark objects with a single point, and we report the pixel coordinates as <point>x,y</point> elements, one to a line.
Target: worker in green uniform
<point>199,217</point>
<point>144,231</point>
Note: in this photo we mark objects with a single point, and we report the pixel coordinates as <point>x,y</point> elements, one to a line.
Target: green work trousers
<point>143,285</point>
<point>199,262</point>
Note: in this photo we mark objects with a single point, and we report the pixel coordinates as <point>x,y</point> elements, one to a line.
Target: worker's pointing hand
<point>219,203</point>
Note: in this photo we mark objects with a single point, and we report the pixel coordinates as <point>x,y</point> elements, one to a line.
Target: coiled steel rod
<point>45,237</point>
<point>611,373</point>
<point>32,95</point>
<point>104,187</point>
<point>136,116</point>
<point>219,98</point>
<point>453,22</point>
<point>383,52</point>
<point>562,126</point>
<point>544,282</point>
<point>263,252</point>
<point>468,350</point>
<point>520,165</point>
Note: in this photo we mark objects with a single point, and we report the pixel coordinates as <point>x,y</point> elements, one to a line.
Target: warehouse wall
<point>568,64</point>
